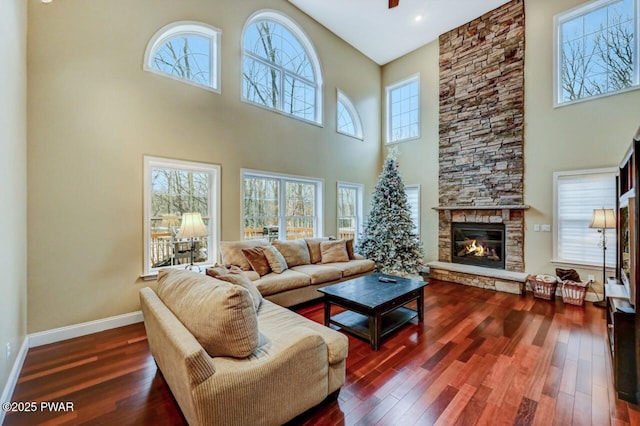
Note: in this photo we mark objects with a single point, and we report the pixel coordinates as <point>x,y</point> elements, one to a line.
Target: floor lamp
<point>602,220</point>
<point>192,227</point>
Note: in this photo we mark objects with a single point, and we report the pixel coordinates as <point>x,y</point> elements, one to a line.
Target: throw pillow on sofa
<point>295,252</point>
<point>334,251</point>
<point>257,259</point>
<point>220,315</point>
<point>234,275</point>
<point>276,261</point>
<point>313,244</point>
<point>232,252</point>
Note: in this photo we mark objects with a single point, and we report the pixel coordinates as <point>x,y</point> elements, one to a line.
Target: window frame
<point>556,218</point>
<point>359,216</point>
<point>417,188</point>
<point>283,178</point>
<point>415,78</point>
<point>343,99</point>
<point>576,12</point>
<point>309,48</point>
<point>213,226</point>
<point>178,28</point>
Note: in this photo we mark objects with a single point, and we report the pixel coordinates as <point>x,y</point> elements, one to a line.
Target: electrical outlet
<point>8,350</point>
<point>591,278</point>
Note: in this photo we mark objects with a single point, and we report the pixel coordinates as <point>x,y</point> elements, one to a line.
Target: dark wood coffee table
<point>374,309</point>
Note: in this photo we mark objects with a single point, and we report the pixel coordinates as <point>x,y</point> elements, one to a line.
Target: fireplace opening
<point>479,244</point>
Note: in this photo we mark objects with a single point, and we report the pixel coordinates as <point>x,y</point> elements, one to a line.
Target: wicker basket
<point>573,292</point>
<point>544,289</point>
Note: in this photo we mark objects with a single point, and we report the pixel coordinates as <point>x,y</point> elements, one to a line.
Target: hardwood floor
<point>480,357</point>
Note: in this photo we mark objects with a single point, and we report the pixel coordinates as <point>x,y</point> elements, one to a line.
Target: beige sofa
<point>310,265</point>
<point>231,358</point>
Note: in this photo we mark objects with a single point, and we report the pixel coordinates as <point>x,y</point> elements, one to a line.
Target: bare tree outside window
<point>185,57</point>
<point>277,72</point>
<point>597,51</point>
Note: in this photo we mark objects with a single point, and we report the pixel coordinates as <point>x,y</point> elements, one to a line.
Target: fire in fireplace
<point>480,244</point>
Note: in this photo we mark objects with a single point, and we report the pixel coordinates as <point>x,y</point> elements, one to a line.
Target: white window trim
<point>192,28</point>
<point>319,202</point>
<point>359,205</point>
<point>214,171</point>
<point>556,176</point>
<point>353,112</point>
<point>583,9</point>
<point>312,54</point>
<point>388,90</point>
<point>417,188</point>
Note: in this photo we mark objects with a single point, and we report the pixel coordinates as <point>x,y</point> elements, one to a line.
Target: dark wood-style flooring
<point>480,357</point>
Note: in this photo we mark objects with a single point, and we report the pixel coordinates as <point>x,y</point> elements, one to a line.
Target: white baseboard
<point>10,386</point>
<point>77,330</point>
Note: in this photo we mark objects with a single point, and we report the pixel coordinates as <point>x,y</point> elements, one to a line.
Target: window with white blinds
<point>413,198</point>
<point>577,194</point>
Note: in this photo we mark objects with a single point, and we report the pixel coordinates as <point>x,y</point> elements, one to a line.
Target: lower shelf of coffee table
<point>358,324</point>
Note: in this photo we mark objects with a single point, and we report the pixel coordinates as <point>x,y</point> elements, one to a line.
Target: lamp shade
<point>603,219</point>
<point>192,226</point>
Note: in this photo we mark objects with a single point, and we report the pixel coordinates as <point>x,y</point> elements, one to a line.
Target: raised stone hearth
<point>492,279</point>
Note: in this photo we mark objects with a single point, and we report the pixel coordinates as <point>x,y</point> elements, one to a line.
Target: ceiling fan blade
<point>393,3</point>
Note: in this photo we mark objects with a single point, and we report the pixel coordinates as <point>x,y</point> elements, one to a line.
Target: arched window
<point>186,51</point>
<point>348,119</point>
<point>280,68</point>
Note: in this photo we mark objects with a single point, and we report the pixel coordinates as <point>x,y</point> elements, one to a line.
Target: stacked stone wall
<point>482,110</point>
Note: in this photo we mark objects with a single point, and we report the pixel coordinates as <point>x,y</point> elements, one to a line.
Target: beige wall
<point>13,183</point>
<point>587,135</point>
<point>94,113</point>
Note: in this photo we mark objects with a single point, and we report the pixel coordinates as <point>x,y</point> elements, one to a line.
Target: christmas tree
<point>389,237</point>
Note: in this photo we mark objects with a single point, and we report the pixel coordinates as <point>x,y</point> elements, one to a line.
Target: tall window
<point>348,120</point>
<point>413,199</point>
<point>173,188</point>
<point>280,206</point>
<point>577,194</point>
<point>186,51</point>
<point>403,110</point>
<point>280,69</point>
<point>597,50</point>
<point>350,210</point>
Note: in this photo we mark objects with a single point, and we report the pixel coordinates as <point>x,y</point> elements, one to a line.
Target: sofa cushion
<point>313,244</point>
<point>276,283</point>
<point>235,275</point>
<point>319,273</point>
<point>276,261</point>
<point>258,261</point>
<point>232,252</point>
<point>334,251</point>
<point>273,319</point>
<point>221,316</point>
<point>353,267</point>
<point>295,252</point>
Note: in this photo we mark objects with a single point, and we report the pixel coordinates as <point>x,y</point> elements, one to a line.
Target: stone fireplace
<point>481,148</point>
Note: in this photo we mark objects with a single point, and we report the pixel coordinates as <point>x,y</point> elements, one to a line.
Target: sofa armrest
<point>357,256</point>
<point>282,379</point>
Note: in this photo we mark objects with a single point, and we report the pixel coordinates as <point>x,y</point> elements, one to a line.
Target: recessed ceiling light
<point>46,1</point>
<point>418,18</point>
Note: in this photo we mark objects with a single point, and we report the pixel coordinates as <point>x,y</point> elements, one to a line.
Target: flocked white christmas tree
<point>389,237</point>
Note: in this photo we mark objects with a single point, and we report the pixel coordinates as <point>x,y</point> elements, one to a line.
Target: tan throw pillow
<point>350,252</point>
<point>236,277</point>
<point>295,252</point>
<point>275,259</point>
<point>334,251</point>
<point>315,255</point>
<point>232,252</point>
<point>258,261</point>
<point>221,316</point>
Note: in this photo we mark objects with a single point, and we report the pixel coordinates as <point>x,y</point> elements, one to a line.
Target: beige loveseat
<point>231,358</point>
<point>310,264</point>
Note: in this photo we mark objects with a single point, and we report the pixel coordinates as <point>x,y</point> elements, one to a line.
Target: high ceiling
<point>385,34</point>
